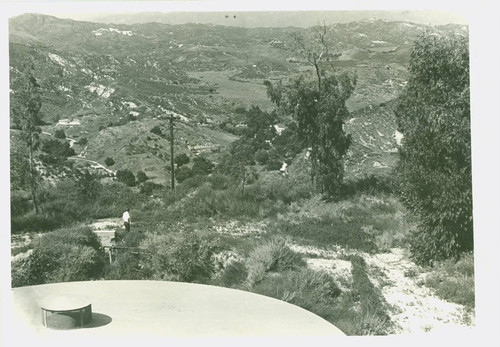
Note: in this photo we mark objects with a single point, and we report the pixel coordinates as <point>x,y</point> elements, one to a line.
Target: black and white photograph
<point>196,169</point>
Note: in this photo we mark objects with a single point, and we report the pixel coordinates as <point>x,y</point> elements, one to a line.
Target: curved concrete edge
<point>174,309</point>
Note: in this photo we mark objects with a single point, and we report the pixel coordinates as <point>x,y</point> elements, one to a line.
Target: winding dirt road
<point>94,163</point>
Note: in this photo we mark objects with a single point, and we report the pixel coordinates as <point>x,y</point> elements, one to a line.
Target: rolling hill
<point>108,85</point>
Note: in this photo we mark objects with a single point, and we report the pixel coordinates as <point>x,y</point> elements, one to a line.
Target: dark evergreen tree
<point>25,108</point>
<point>181,159</point>
<point>435,167</point>
<point>141,176</point>
<point>318,107</point>
<point>109,161</point>
<point>127,177</point>
<point>60,134</point>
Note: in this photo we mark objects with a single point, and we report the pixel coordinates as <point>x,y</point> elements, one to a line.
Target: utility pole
<point>172,169</point>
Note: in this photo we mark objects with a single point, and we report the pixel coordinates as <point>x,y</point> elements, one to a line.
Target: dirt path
<point>96,164</point>
<point>20,256</point>
<point>105,229</point>
<point>22,240</point>
<point>415,309</point>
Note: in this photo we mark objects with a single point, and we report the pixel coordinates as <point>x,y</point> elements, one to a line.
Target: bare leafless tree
<point>313,51</point>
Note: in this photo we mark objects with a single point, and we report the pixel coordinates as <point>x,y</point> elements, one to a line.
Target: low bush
<point>369,185</point>
<point>157,130</point>
<point>88,186</point>
<point>374,318</point>
<point>183,173</point>
<point>149,187</point>
<point>132,239</point>
<point>125,266</point>
<point>184,188</point>
<point>181,159</point>
<point>454,280</point>
<point>33,222</point>
<point>20,203</point>
<point>127,177</point>
<point>366,222</point>
<point>183,257</point>
<point>229,203</point>
<point>219,181</point>
<point>287,190</point>
<point>202,166</point>
<point>314,291</point>
<point>141,176</point>
<point>271,256</point>
<point>113,200</point>
<point>68,202</point>
<point>126,262</point>
<point>57,149</point>
<point>329,231</point>
<point>109,161</point>
<point>234,274</point>
<point>261,157</point>
<point>73,254</point>
<point>59,134</point>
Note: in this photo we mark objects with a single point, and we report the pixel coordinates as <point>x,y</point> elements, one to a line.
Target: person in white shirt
<point>126,220</point>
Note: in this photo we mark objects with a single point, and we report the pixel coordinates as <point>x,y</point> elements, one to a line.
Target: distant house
<point>278,129</point>
<point>283,168</point>
<point>67,122</point>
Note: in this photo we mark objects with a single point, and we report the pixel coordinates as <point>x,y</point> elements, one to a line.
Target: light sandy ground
<point>20,241</point>
<point>21,255</point>
<point>105,229</point>
<point>106,224</point>
<point>415,308</point>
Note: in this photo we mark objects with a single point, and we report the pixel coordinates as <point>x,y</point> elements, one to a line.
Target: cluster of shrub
<point>271,268</point>
<point>72,254</point>
<point>201,167</point>
<point>56,151</point>
<point>127,177</point>
<point>260,143</point>
<point>70,200</point>
<point>140,179</point>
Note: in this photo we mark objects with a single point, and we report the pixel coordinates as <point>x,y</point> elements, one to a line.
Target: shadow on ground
<point>98,320</point>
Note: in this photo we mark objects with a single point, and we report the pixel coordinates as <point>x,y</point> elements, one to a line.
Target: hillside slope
<point>104,84</point>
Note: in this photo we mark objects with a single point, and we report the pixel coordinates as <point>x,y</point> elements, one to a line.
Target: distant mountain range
<point>267,19</point>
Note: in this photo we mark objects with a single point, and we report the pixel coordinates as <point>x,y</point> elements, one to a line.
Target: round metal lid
<point>64,302</point>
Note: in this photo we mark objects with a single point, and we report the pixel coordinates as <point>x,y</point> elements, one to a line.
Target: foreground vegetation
<point>183,243</point>
<point>209,232</point>
<point>454,281</point>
